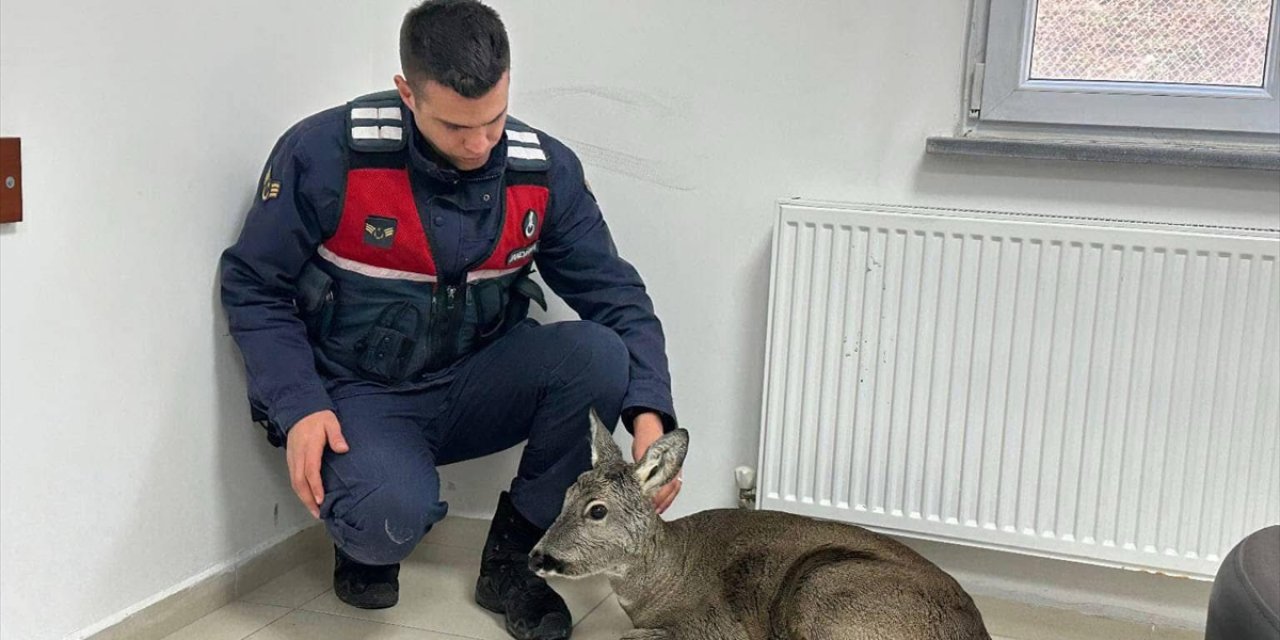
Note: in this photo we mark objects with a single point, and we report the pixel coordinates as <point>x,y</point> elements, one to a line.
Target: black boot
<point>363,585</point>
<point>532,609</point>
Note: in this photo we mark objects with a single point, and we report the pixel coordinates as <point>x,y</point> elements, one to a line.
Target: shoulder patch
<point>375,123</point>
<point>270,188</point>
<point>524,149</point>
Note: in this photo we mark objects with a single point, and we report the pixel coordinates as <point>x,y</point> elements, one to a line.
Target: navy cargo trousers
<point>534,384</point>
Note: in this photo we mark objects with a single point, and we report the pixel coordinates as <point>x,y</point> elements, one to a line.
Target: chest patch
<point>379,231</point>
<point>530,223</point>
<point>521,254</point>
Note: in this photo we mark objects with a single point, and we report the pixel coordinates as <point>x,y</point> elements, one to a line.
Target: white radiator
<point>1090,390</point>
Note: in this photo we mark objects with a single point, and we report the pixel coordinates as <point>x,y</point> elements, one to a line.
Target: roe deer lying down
<point>733,574</point>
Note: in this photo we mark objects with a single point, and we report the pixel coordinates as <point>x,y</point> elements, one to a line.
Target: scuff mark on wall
<point>606,125</point>
<point>661,106</point>
<point>652,171</point>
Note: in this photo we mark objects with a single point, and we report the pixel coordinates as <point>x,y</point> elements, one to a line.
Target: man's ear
<point>405,91</point>
<point>603,449</point>
<point>662,462</point>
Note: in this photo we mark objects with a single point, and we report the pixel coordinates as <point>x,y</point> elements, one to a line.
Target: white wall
<point>127,462</point>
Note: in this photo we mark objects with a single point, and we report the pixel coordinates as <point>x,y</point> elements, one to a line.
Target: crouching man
<point>379,293</point>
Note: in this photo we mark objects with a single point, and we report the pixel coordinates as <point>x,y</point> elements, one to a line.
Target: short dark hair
<point>460,44</point>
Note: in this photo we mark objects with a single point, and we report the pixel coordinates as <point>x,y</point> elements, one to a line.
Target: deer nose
<point>539,561</point>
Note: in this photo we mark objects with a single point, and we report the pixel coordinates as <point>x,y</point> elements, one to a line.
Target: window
<point>1206,66</point>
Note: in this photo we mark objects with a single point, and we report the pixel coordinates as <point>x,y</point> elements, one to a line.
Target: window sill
<point>1260,158</point>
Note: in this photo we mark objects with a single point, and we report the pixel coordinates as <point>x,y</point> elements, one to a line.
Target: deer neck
<point>656,579</point>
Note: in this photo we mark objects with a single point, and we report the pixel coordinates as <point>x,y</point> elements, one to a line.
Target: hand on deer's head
<point>609,511</point>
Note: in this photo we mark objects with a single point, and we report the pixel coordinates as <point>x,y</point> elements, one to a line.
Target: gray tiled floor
<point>435,596</point>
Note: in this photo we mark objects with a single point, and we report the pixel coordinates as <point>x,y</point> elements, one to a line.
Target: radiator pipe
<point>746,477</point>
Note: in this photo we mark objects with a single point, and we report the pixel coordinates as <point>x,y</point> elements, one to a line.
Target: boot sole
<point>370,606</point>
<point>373,603</point>
<point>492,602</point>
<point>489,600</point>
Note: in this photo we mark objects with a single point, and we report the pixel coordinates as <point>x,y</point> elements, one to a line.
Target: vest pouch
<point>529,290</point>
<point>490,300</point>
<point>316,300</point>
<point>523,290</point>
<point>385,351</point>
<point>503,303</point>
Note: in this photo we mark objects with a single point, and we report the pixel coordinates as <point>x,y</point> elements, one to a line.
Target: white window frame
<point>1002,93</point>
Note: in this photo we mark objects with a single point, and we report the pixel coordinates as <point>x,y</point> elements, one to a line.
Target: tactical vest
<point>372,299</point>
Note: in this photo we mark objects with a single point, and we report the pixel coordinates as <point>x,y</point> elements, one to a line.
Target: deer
<point>741,574</point>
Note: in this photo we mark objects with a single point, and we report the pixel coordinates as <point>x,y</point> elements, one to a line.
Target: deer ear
<point>662,462</point>
<point>603,449</point>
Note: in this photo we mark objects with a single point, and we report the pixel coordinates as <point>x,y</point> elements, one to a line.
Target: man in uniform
<point>379,293</point>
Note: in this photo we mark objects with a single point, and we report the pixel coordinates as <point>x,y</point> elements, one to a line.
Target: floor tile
<point>437,584</point>
<point>309,625</point>
<point>607,622</point>
<point>232,622</point>
<point>1025,622</point>
<point>1165,633</point>
<point>297,587</point>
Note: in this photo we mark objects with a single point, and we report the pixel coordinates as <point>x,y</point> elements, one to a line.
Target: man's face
<point>463,130</point>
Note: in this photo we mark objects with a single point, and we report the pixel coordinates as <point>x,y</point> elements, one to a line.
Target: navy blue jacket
<point>299,205</point>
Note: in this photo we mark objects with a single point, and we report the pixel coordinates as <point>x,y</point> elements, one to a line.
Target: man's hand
<point>304,450</point>
<point>647,429</point>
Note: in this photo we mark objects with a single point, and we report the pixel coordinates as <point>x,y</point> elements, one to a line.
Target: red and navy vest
<point>373,299</point>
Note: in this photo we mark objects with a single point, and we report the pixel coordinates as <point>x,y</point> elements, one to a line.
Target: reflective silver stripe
<point>487,274</point>
<point>525,153</point>
<point>389,113</point>
<point>364,113</point>
<point>363,269</point>
<point>377,133</point>
<point>527,137</point>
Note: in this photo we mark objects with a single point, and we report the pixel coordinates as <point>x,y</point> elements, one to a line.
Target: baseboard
<point>179,606</point>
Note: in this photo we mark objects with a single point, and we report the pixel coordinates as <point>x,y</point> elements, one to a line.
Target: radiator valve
<point>746,477</point>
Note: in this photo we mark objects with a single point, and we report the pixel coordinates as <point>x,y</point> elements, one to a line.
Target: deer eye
<point>597,512</point>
